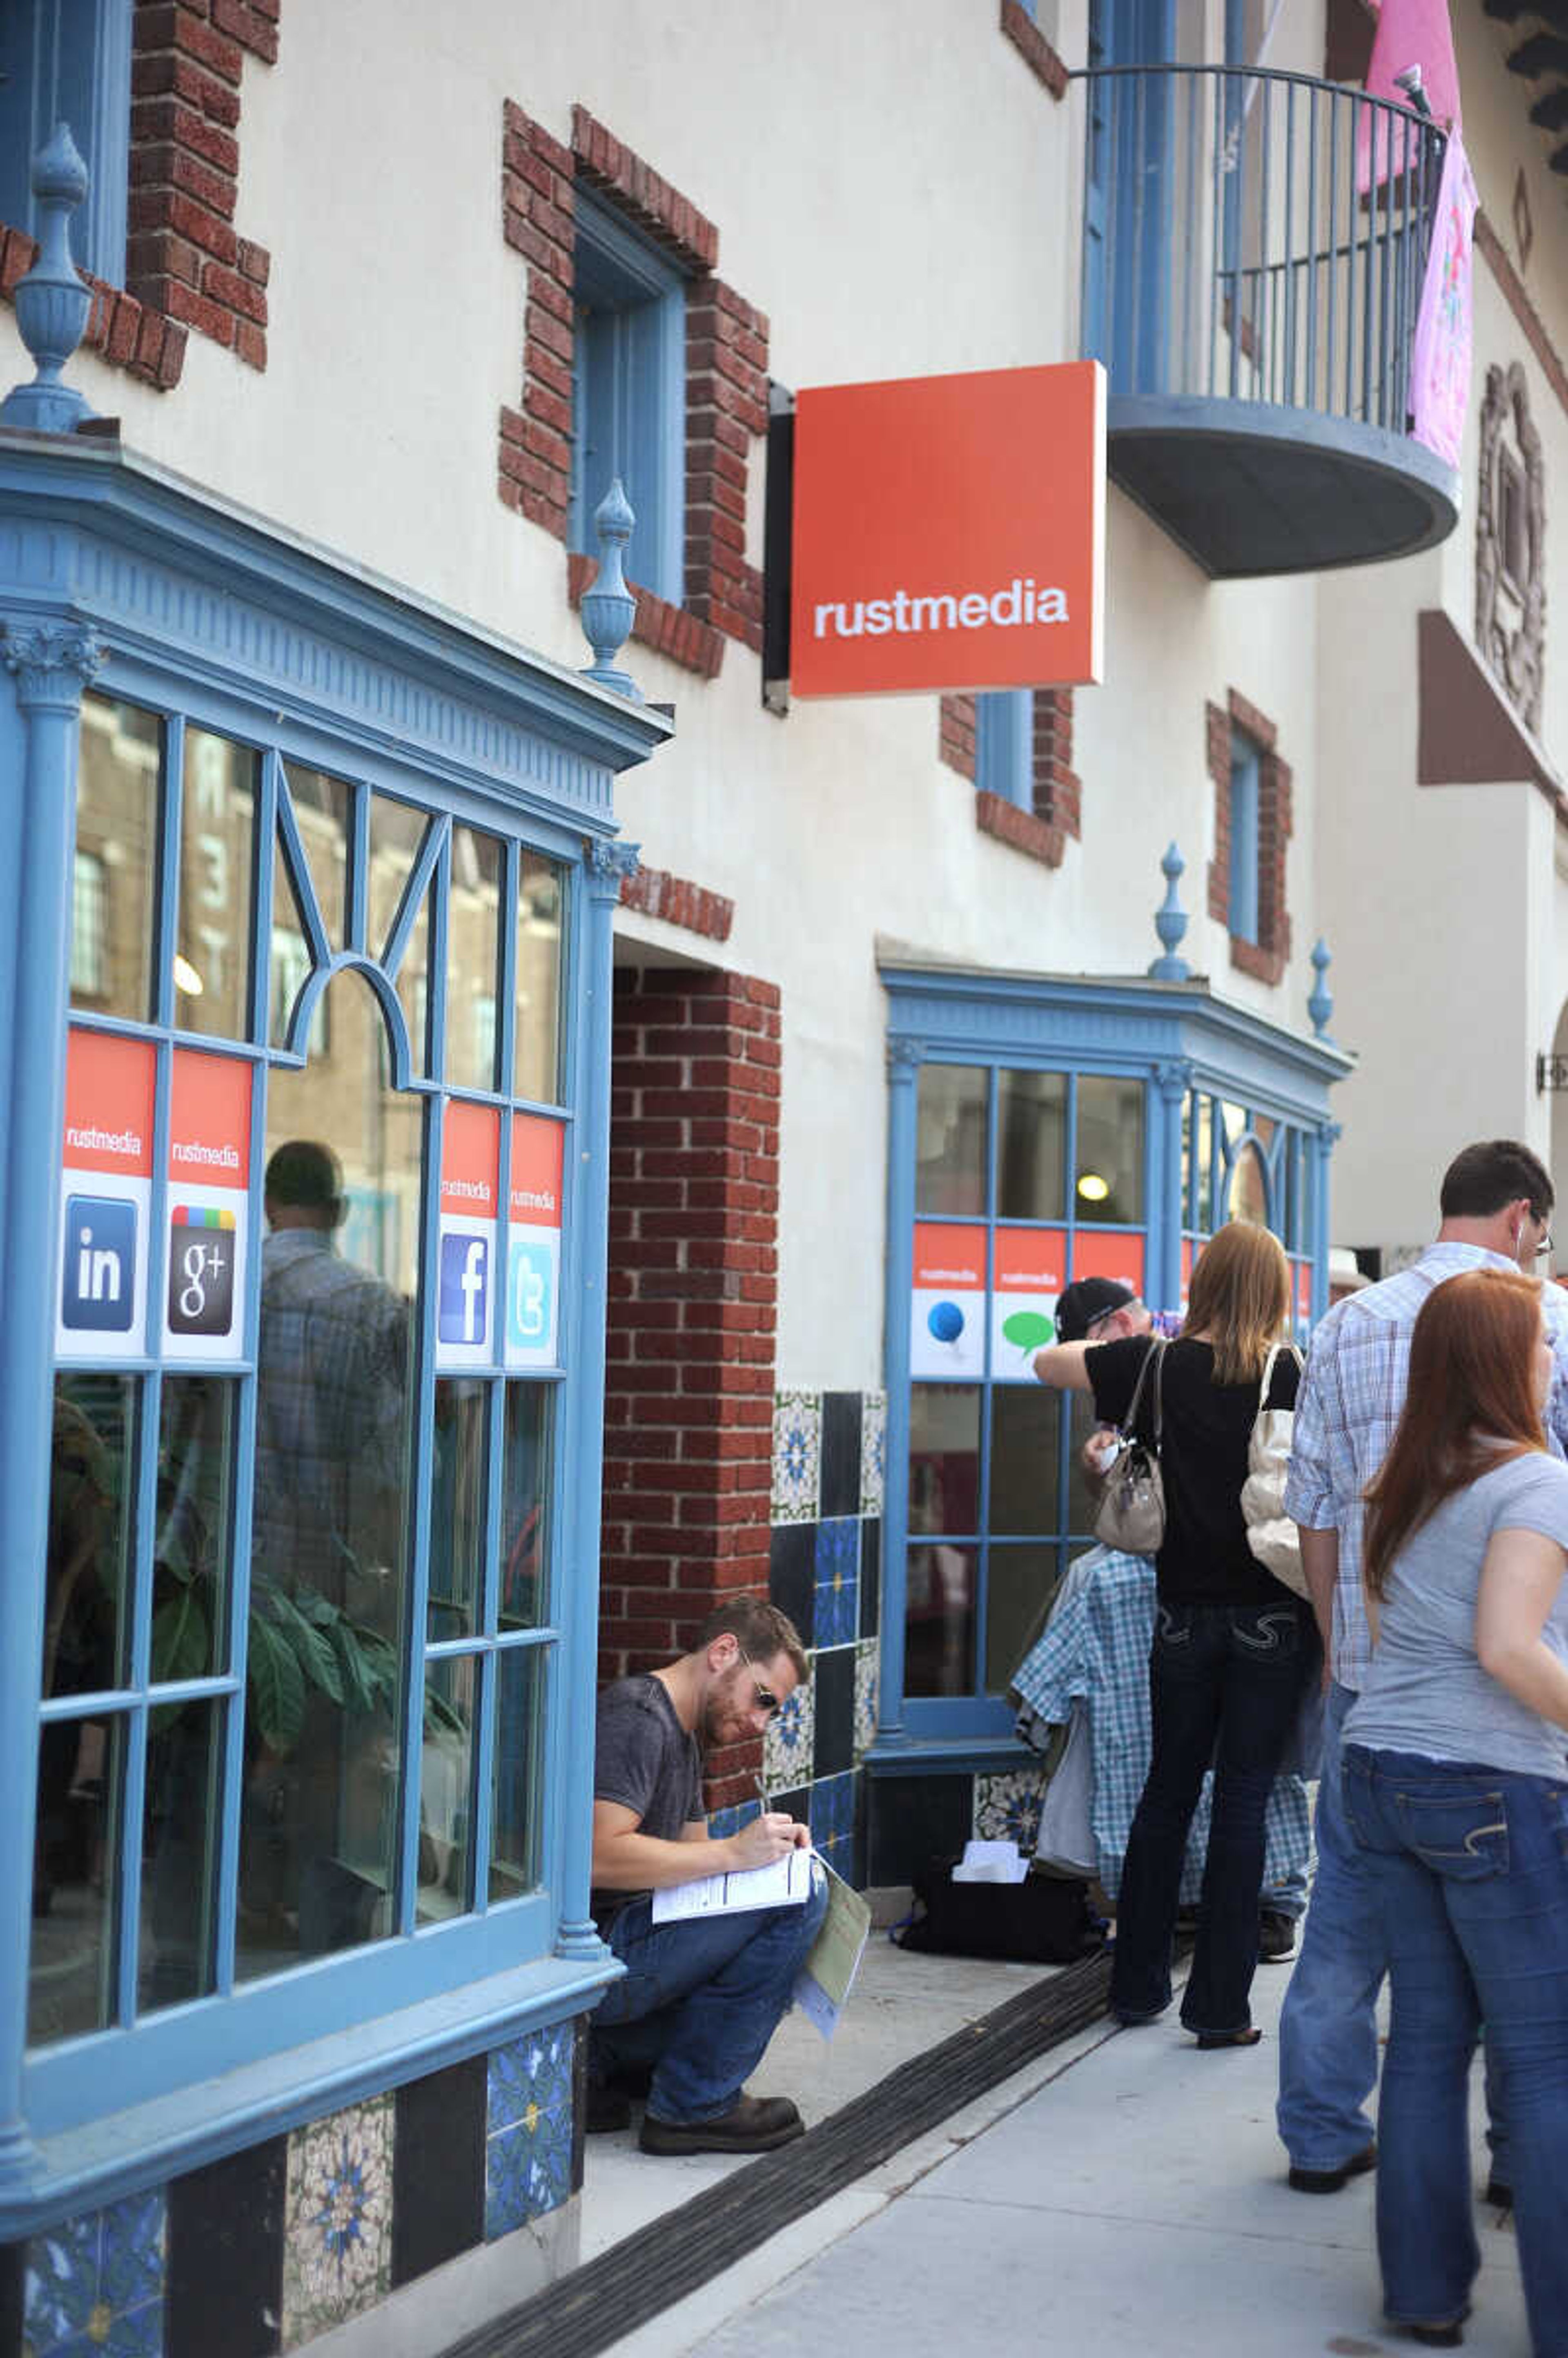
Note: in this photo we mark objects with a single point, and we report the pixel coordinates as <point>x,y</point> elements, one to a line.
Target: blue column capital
<point>610,862</point>
<point>1173,1079</point>
<point>905,1056</point>
<point>53,661</point>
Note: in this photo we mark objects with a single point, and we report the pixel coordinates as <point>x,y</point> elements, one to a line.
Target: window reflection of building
<point>89,926</point>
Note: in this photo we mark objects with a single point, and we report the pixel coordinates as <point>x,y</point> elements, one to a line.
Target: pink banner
<point>1440,357</point>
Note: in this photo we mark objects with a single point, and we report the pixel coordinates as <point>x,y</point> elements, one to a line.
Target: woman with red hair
<point>1455,1781</point>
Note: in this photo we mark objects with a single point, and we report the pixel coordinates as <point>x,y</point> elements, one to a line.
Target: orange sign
<point>109,1103</point>
<point>536,1151</point>
<point>1031,1261</point>
<point>946,1254</point>
<point>471,1161</point>
<point>210,1120</point>
<point>949,533</point>
<point>1100,1253</point>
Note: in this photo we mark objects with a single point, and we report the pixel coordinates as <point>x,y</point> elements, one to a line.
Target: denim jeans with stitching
<point>1469,1875</point>
<point>700,2000</point>
<point>1225,1683</point>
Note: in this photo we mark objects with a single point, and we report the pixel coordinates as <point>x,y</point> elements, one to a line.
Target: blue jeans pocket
<point>1463,1836</point>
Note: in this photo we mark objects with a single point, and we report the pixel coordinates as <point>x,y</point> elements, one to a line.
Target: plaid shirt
<point>1095,1648</point>
<point>1349,1403</point>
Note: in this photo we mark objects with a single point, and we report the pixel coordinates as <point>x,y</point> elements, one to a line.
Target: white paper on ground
<point>991,1862</point>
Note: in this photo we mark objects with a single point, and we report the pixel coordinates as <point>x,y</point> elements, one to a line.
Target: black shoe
<point>753,2125</point>
<point>1497,2197</point>
<point>1276,1936</point>
<point>1329,2182</point>
<point>1449,2336</point>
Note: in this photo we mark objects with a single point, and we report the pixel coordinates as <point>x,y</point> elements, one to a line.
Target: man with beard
<point>699,1999</point>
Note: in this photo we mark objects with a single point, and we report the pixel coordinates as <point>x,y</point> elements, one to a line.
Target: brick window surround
<point>186,265</point>
<point>1056,803</point>
<point>1266,958</point>
<point>726,380</point>
<point>691,1316</point>
<point>1034,48</point>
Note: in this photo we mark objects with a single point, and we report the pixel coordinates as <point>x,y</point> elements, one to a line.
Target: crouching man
<point>699,1999</point>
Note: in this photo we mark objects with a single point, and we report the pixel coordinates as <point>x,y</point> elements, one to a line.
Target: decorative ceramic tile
<point>873,1449</point>
<point>840,1484</point>
<point>836,1613</point>
<point>866,1660</point>
<point>337,2252</point>
<point>788,1739</point>
<point>833,1820</point>
<point>225,2254</point>
<point>437,2170</point>
<point>722,1824</point>
<point>870,1575</point>
<point>97,2283</point>
<point>1007,1808</point>
<point>529,2153</point>
<point>792,1573</point>
<point>833,1690</point>
<point>797,1455</point>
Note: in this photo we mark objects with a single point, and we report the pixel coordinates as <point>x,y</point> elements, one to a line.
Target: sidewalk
<point>1126,2194</point>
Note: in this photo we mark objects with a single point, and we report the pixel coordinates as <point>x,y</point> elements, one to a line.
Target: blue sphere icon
<point>946,1320</point>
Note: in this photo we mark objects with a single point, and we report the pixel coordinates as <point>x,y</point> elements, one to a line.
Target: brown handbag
<point>1132,1514</point>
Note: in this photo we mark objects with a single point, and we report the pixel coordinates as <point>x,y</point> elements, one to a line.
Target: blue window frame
<point>1127,203</point>
<point>1004,745</point>
<point>68,61</point>
<point>629,392</point>
<point>1042,1130</point>
<point>1241,903</point>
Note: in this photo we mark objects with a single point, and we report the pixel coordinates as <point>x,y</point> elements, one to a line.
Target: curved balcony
<point>1255,245</point>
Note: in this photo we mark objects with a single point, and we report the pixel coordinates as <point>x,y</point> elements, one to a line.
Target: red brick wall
<point>1267,956</point>
<point>186,265</point>
<point>1055,813</point>
<point>692,1313</point>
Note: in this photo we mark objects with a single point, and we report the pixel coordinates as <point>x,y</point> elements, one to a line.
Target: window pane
<point>323,812</point>
<point>519,1770</point>
<point>211,966</point>
<point>939,1637</point>
<point>950,1140</point>
<point>1083,1497</point>
<point>195,1502</point>
<point>179,1853</point>
<point>330,1555</point>
<point>117,827</point>
<point>92,1511</point>
<point>1108,1182</point>
<point>524,1508</point>
<point>396,834</point>
<point>81,1772</point>
<point>457,1504</point>
<point>945,1457</point>
<point>90,930</point>
<point>446,1783</point>
<point>1019,1583</point>
<point>541,904</point>
<point>1032,1114</point>
<point>1248,1193</point>
<point>1026,1425</point>
<point>473,934</point>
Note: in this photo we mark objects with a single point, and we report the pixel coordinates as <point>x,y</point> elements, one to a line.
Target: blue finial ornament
<point>1171,923</point>
<point>52,304</point>
<point>1320,1006</point>
<point>609,609</point>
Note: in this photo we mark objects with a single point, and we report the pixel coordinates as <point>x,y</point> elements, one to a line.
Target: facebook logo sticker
<point>98,1294</point>
<point>465,1286</point>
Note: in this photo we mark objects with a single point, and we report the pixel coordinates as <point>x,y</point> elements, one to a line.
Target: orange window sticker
<point>1121,1257</point>
<point>109,1103</point>
<point>470,1162</point>
<point>1031,1261</point>
<point>949,1256</point>
<point>538,1152</point>
<point>210,1120</point>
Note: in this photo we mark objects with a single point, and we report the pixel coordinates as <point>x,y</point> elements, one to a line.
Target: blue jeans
<point>1223,1684</point>
<point>699,2001</point>
<point>1470,1883</point>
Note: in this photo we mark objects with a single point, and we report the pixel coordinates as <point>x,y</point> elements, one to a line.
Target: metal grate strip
<point>673,2255</point>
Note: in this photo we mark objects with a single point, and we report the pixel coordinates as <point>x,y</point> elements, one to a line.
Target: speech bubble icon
<point>1028,1329</point>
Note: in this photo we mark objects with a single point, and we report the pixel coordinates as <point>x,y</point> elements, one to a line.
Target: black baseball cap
<point>1087,1299</point>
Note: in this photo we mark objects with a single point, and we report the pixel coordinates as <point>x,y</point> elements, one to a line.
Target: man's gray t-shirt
<point>646,1760</point>
<point>1426,1690</point>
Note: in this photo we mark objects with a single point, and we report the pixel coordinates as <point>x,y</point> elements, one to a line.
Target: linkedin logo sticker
<point>98,1294</point>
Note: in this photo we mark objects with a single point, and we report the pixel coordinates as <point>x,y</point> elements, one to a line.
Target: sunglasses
<point>763,1698</point>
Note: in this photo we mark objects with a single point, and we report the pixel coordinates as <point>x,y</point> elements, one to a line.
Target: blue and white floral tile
<point>96,2283</point>
<point>833,1820</point>
<point>873,1450</point>
<point>1007,1808</point>
<point>866,1655</point>
<point>788,1741</point>
<point>528,2148</point>
<point>337,2224</point>
<point>838,1603</point>
<point>722,1824</point>
<point>797,1457</point>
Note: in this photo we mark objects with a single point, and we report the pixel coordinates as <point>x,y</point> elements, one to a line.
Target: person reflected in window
<point>330,1506</point>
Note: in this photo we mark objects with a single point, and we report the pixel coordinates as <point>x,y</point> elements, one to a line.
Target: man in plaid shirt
<point>1496,1205</point>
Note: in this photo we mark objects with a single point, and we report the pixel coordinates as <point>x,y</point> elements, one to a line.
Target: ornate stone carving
<point>52,662</point>
<point>609,862</point>
<point>1510,543</point>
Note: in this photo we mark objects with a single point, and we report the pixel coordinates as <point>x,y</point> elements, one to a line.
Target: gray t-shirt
<point>1426,1692</point>
<point>646,1760</point>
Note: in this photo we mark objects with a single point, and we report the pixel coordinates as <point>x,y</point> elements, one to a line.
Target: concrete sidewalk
<point>1125,2196</point>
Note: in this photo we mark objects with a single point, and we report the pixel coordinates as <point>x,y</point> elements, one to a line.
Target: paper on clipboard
<point>784,1884</point>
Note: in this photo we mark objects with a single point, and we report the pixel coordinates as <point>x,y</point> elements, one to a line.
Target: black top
<point>1205,1558</point>
<point>646,1761</point>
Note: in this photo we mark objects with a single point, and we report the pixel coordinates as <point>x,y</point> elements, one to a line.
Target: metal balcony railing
<point>1254,236</point>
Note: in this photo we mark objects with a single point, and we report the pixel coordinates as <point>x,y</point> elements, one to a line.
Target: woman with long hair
<point>1456,1784</point>
<point>1233,1647</point>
